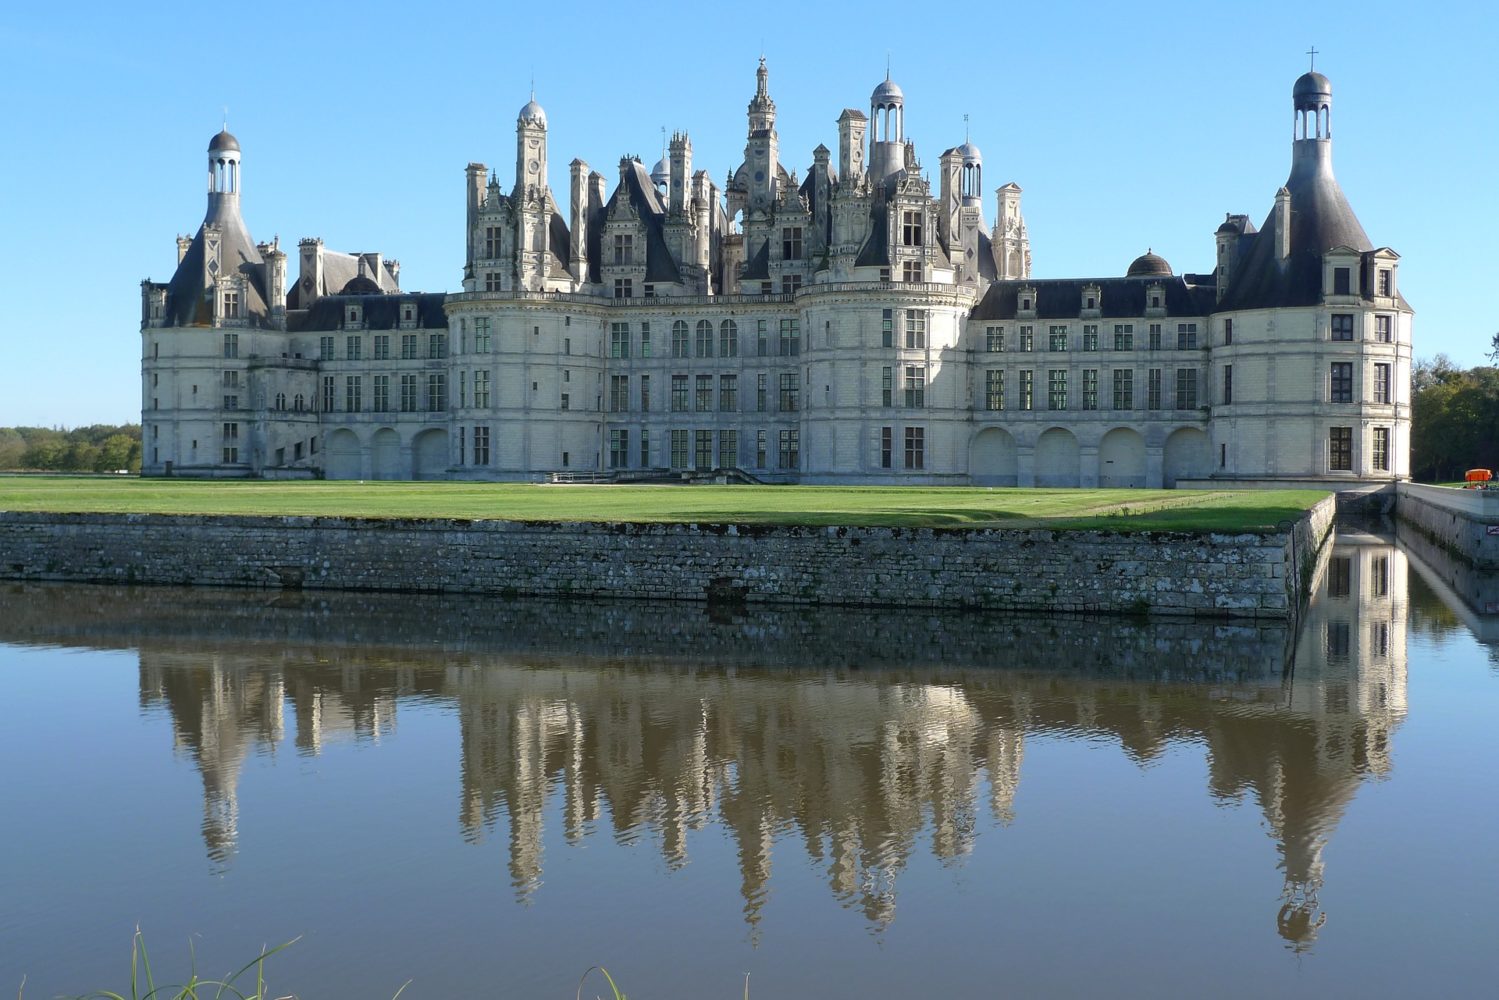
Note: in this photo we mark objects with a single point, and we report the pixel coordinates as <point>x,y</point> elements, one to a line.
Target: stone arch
<point>992,459</point>
<point>1056,458</point>
<point>1188,455</point>
<point>429,454</point>
<point>385,454</point>
<point>1121,458</point>
<point>343,452</point>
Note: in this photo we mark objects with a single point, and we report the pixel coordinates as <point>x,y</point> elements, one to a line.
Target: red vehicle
<point>1478,479</point>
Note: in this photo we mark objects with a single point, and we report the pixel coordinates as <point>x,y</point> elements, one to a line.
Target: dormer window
<point>791,243</point>
<point>231,305</point>
<point>1384,282</point>
<point>910,229</point>
<point>406,314</point>
<point>1155,302</point>
<point>1342,280</point>
<point>1025,303</point>
<point>1092,303</point>
<point>624,249</point>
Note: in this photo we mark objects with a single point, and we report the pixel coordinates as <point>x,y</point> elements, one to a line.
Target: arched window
<point>280,400</point>
<point>681,347</point>
<point>299,403</point>
<point>728,339</point>
<point>704,339</point>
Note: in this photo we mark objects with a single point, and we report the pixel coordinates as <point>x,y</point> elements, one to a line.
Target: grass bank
<point>909,507</point>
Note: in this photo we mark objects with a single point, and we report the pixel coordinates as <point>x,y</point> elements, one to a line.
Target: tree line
<point>1454,419</point>
<point>95,448</point>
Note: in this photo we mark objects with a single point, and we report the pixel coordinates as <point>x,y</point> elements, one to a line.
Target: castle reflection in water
<point>857,732</point>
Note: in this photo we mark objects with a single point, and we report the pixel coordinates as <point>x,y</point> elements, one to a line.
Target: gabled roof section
<point>635,184</point>
<point>189,293</point>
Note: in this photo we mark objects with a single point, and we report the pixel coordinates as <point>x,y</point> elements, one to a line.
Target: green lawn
<point>1124,510</point>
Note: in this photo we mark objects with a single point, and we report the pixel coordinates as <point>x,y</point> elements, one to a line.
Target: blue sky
<point>1127,126</point>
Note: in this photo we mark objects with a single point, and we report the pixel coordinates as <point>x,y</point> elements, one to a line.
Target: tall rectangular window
<point>1383,329</point>
<point>482,340</point>
<point>703,400</point>
<point>1124,336</point>
<point>645,340</point>
<point>481,387</point>
<point>681,344</point>
<point>1155,337</point>
<point>381,393</point>
<point>1383,284</point>
<point>645,394</point>
<point>762,339</point>
<point>408,393</point>
<point>994,389</point>
<point>761,391</point>
<point>1342,326</point>
<point>619,393</point>
<point>702,442</point>
<point>1341,281</point>
<point>1090,388</point>
<point>231,345</point>
<point>1027,389</point>
<point>679,449</point>
<point>728,393</point>
<point>994,338</point>
<point>1382,449</point>
<point>1228,332</point>
<point>1027,338</point>
<point>353,347</point>
<point>791,243</point>
<point>481,445</point>
<point>408,347</point>
<point>1340,449</point>
<point>1381,383</point>
<point>887,386</point>
<point>1186,388</point>
<point>492,241</point>
<point>789,455</point>
<point>619,340</point>
<point>1057,338</point>
<point>1228,384</point>
<point>887,446</point>
<point>1090,336</point>
<point>910,229</point>
<point>791,337</point>
<point>915,329</point>
<point>624,249</point>
<point>645,448</point>
<point>679,393</point>
<point>790,392</point>
<point>1153,389</point>
<point>915,386</point>
<point>437,392</point>
<point>704,339</point>
<point>915,447</point>
<point>1056,389</point>
<point>382,346</point>
<point>761,449</point>
<point>728,449</point>
<point>887,328</point>
<point>437,345</point>
<point>1186,336</point>
<point>1124,389</point>
<point>325,348</point>
<point>231,443</point>
<point>330,391</point>
<point>1340,382</point>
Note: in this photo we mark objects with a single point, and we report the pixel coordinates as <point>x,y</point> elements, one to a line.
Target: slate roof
<point>1321,219</point>
<point>1119,298</point>
<point>189,301</point>
<point>635,184</point>
<point>381,312</point>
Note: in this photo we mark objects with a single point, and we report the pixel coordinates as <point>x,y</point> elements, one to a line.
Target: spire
<point>762,110</point>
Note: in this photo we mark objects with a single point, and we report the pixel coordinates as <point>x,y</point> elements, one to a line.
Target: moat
<point>487,797</point>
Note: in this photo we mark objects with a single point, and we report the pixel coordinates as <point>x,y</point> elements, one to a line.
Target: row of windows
<point>1340,449</point>
<point>694,449</point>
<point>410,398</point>
<point>1121,390</point>
<point>704,341</point>
<point>1059,338</point>
<point>409,344</point>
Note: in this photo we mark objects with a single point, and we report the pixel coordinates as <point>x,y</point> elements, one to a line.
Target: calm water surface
<point>489,797</point>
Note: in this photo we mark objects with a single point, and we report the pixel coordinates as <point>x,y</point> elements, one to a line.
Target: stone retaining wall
<point>1464,523</point>
<point>1215,575</point>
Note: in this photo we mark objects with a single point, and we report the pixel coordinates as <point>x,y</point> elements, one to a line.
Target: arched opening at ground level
<point>429,451</point>
<point>992,458</point>
<point>385,449</point>
<point>1056,457</point>
<point>1121,458</point>
<point>342,449</point>
<point>1188,455</point>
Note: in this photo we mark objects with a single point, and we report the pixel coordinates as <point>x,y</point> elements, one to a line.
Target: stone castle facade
<point>851,326</point>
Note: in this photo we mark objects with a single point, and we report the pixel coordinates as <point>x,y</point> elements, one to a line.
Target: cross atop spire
<point>965,128</point>
<point>1313,53</point>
